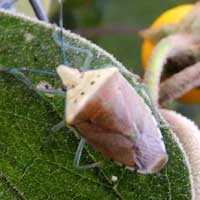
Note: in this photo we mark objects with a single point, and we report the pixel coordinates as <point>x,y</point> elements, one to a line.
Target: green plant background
<point>26,172</point>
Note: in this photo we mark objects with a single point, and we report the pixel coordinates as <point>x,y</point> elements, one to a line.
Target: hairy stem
<point>187,135</point>
<point>180,83</point>
<point>155,67</point>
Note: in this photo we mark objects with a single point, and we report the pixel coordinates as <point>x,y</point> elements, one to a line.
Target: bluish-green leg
<point>34,71</point>
<point>77,158</point>
<point>52,133</point>
<point>18,73</point>
<point>148,99</point>
<point>66,47</point>
<point>65,62</point>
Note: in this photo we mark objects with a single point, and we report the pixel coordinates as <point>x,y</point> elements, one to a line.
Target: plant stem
<point>155,67</point>
<point>180,83</point>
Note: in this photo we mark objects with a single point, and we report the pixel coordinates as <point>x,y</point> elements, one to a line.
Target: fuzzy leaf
<point>26,172</point>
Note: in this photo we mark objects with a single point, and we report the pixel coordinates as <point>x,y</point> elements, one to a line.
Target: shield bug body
<point>113,118</point>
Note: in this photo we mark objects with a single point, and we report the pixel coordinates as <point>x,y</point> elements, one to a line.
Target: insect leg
<point>52,133</point>
<point>18,73</point>
<point>38,71</point>
<point>34,71</point>
<point>77,158</point>
<point>66,47</point>
<point>148,99</point>
<point>65,62</point>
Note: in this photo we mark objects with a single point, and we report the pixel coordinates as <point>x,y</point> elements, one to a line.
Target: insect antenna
<point>61,31</point>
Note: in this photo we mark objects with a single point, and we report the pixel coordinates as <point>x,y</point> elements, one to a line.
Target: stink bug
<point>109,113</point>
<point>113,118</point>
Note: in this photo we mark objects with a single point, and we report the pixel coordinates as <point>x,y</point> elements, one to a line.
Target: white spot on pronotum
<point>28,37</point>
<point>114,178</point>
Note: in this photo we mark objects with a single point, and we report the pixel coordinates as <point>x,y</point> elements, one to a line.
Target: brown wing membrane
<point>115,146</point>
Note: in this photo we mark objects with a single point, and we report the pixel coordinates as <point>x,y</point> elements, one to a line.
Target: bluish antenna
<point>61,31</point>
<point>66,46</point>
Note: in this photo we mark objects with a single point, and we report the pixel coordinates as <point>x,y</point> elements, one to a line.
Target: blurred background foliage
<point>114,25</point>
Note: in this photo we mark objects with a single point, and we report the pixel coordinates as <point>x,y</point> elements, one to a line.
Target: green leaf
<point>26,171</point>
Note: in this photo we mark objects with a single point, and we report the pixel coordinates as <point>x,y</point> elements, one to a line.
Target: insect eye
<point>64,88</point>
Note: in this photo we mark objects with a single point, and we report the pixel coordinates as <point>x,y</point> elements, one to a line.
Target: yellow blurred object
<point>171,16</point>
<point>23,6</point>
